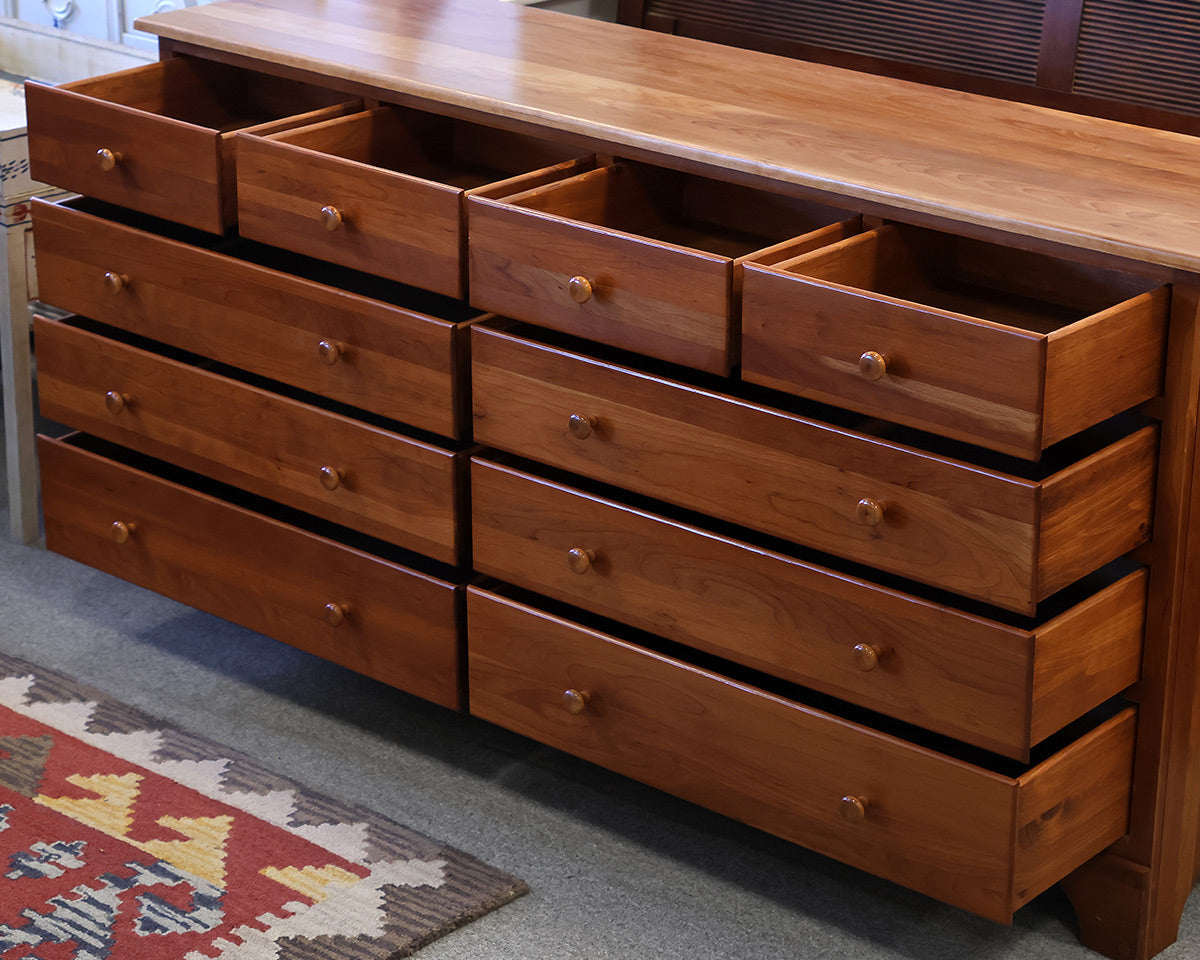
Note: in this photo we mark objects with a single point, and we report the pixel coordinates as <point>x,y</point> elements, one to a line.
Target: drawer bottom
<point>986,837</point>
<point>369,614</point>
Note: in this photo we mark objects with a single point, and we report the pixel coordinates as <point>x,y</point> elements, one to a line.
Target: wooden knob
<point>332,477</point>
<point>336,613</point>
<point>330,351</point>
<point>575,701</point>
<point>107,159</point>
<point>580,560</point>
<point>121,532</point>
<point>854,809</point>
<point>871,511</point>
<point>114,283</point>
<point>116,402</point>
<point>331,218</point>
<point>580,289</point>
<point>867,657</point>
<point>873,365</point>
<point>581,427</point>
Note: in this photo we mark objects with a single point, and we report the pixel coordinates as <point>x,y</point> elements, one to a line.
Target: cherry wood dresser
<point>815,446</point>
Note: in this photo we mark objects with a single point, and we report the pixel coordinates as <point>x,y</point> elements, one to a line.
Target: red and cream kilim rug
<point>125,839</point>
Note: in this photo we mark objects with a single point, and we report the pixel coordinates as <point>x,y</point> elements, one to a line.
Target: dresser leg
<point>1112,902</point>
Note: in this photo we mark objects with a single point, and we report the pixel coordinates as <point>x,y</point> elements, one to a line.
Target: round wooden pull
<point>107,159</point>
<point>581,427</point>
<point>332,477</point>
<point>331,218</point>
<point>867,657</point>
<point>331,351</point>
<point>116,402</point>
<point>871,511</point>
<point>873,365</point>
<point>580,560</point>
<point>114,283</point>
<point>336,613</point>
<point>575,701</point>
<point>580,289</point>
<point>121,532</point>
<point>854,809</point>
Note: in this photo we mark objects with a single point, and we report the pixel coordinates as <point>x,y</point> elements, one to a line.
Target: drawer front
<point>942,522</point>
<point>387,621</point>
<point>632,293</point>
<point>1009,389</point>
<point>974,838</point>
<point>387,223</point>
<point>157,164</point>
<point>369,354</point>
<point>373,480</point>
<point>975,679</point>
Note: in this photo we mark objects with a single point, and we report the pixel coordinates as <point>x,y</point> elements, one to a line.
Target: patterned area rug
<point>122,838</point>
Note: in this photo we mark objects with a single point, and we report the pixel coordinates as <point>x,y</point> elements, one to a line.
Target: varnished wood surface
<point>972,837</point>
<point>399,363</point>
<point>1025,170</point>
<point>401,627</point>
<point>389,485</point>
<point>945,522</point>
<point>997,686</point>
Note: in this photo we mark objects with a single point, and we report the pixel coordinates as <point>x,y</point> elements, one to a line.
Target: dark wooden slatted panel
<point>997,39</point>
<point>1141,51</point>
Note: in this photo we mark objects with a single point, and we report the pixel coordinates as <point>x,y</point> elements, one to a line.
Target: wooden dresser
<point>815,446</point>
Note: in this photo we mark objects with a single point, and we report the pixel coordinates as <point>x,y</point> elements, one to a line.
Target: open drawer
<point>113,510</point>
<point>998,681</point>
<point>982,834</point>
<point>159,138</point>
<point>382,190</point>
<point>1007,349</point>
<point>637,256</point>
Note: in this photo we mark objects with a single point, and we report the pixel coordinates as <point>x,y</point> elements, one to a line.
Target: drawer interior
<point>680,209</point>
<point>441,149</point>
<point>206,93</point>
<point>1016,288</point>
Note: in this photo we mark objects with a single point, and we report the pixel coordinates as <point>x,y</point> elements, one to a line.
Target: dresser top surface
<point>1025,170</point>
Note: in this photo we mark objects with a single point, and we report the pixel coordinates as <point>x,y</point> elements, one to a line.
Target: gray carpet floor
<point>617,870</point>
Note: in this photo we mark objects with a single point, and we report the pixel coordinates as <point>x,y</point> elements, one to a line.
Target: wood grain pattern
<point>393,487</point>
<point>402,627</point>
<point>783,767</point>
<point>1035,359</point>
<point>393,361</point>
<point>1026,170</point>
<point>1100,506</point>
<point>1070,804</point>
<point>956,526</point>
<point>978,680</point>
